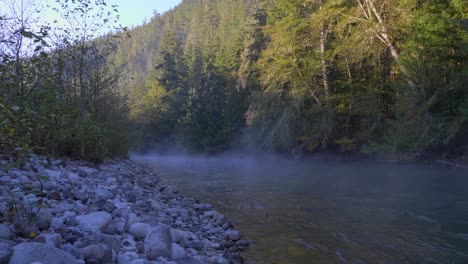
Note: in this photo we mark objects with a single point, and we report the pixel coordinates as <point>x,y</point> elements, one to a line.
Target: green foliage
<point>62,100</point>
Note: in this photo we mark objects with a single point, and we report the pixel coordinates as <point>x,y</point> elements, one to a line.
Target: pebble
<point>117,212</point>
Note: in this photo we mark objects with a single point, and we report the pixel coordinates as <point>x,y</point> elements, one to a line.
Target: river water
<point>313,211</point>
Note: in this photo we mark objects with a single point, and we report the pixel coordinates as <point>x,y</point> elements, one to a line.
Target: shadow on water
<point>311,211</point>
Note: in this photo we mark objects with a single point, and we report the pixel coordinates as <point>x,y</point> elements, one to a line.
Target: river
<point>316,211</point>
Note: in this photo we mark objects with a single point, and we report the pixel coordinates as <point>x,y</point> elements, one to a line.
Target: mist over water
<point>319,211</point>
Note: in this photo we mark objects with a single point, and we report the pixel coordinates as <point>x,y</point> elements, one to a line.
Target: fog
<point>332,211</point>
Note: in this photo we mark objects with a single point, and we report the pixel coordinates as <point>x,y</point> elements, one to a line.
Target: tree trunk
<point>325,66</point>
<point>371,11</point>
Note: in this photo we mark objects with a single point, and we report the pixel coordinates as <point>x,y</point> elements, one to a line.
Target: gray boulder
<point>96,221</point>
<point>98,251</point>
<point>158,241</point>
<point>5,251</point>
<point>177,252</point>
<point>44,219</point>
<point>127,257</point>
<point>139,230</point>
<point>26,253</point>
<point>5,232</point>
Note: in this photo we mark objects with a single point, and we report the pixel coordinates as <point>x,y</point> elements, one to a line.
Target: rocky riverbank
<point>63,211</point>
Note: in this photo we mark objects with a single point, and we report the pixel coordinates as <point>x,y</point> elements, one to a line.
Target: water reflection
<point>316,212</point>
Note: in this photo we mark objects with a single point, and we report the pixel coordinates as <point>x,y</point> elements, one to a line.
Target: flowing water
<point>311,211</point>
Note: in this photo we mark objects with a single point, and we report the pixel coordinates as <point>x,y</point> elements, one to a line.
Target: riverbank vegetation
<point>292,76</point>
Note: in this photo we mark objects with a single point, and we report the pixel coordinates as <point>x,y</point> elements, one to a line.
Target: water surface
<point>311,211</point>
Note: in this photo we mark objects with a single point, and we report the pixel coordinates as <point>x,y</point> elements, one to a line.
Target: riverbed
<point>318,211</point>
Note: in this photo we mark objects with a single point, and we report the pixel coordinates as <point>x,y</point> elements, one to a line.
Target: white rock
<point>177,252</point>
<point>139,230</point>
<point>159,239</point>
<point>127,257</point>
<point>5,232</point>
<point>38,252</point>
<point>94,221</point>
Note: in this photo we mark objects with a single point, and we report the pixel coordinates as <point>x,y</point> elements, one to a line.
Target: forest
<point>378,77</point>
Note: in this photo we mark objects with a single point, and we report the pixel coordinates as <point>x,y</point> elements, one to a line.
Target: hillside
<point>371,76</point>
<point>301,75</point>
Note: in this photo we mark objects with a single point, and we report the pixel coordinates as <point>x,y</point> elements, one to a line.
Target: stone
<point>233,234</point>
<point>5,232</point>
<point>139,230</point>
<point>223,261</point>
<point>127,257</point>
<point>5,251</point>
<point>158,241</point>
<point>202,207</point>
<point>96,221</point>
<point>51,239</point>
<point>179,236</point>
<point>81,196</point>
<point>53,174</point>
<point>108,206</point>
<point>72,250</point>
<point>73,178</point>
<point>71,238</point>
<point>44,219</point>
<point>97,251</point>
<point>54,195</point>
<point>242,243</point>
<point>103,193</point>
<point>196,244</point>
<point>86,171</point>
<point>190,260</point>
<point>38,252</point>
<point>177,252</point>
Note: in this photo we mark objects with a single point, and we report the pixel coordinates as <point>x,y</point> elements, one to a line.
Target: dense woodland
<point>289,76</point>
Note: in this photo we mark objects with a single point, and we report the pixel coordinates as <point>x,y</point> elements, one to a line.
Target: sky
<point>133,12</point>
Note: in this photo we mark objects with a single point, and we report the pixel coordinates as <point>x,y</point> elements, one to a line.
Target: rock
<point>37,252</point>
<point>140,246</point>
<point>44,219</point>
<point>53,174</point>
<point>72,250</point>
<point>51,239</point>
<point>202,207</point>
<point>81,196</point>
<point>196,244</point>
<point>103,193</point>
<point>54,195</point>
<point>190,260</point>
<point>97,221</point>
<point>233,234</point>
<point>112,242</point>
<point>108,206</point>
<point>242,243</point>
<point>98,252</point>
<point>223,261</point>
<point>234,258</point>
<point>86,171</point>
<point>158,241</point>
<point>5,251</point>
<point>73,177</point>
<point>216,246</point>
<point>181,237</point>
<point>177,252</point>
<point>132,219</point>
<point>139,230</point>
<point>127,257</point>
<point>71,238</point>
<point>5,232</point>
